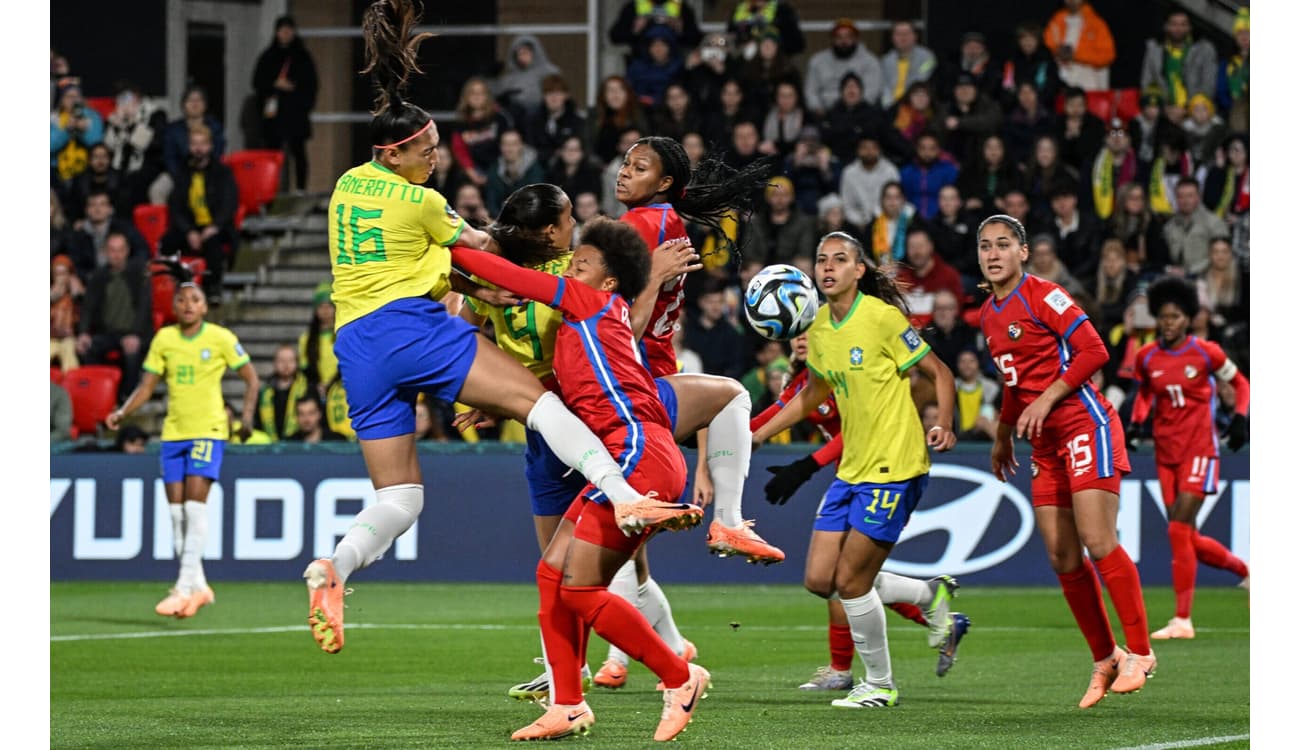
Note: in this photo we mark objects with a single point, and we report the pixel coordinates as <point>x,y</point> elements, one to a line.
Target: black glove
<point>1131,435</point>
<point>789,479</point>
<point>1236,433</point>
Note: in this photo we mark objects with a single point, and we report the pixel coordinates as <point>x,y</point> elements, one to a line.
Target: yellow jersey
<point>865,358</point>
<point>336,411</point>
<point>192,368</point>
<point>387,241</point>
<point>527,332</point>
<point>328,363</point>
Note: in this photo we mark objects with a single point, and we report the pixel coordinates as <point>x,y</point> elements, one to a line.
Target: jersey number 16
<point>374,235</point>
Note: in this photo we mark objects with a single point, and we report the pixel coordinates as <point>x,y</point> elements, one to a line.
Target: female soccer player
<point>904,595</point>
<point>1178,373</point>
<point>191,355</point>
<point>388,237</point>
<point>1047,351</point>
<point>600,373</point>
<point>860,348</point>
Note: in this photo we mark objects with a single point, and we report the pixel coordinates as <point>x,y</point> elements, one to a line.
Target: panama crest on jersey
<point>1190,372</point>
<point>1014,330</point>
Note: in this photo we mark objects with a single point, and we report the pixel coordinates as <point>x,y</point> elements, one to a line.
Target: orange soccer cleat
<point>649,513</point>
<point>679,703</point>
<point>197,600</point>
<point>557,722</point>
<point>612,675</point>
<point>1104,673</point>
<point>172,604</point>
<point>1133,675</point>
<point>725,541</point>
<point>325,613</point>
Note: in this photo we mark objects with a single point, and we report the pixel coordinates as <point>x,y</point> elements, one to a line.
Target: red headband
<point>410,137</point>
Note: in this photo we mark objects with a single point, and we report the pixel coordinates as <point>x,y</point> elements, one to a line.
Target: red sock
<point>1125,589</point>
<point>1083,594</point>
<point>561,632</point>
<point>1210,552</point>
<point>1184,566</point>
<point>841,648</point>
<point>622,625</point>
<point>911,612</point>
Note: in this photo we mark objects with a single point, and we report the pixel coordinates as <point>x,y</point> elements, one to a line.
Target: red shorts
<point>1075,453</point>
<point>661,468</point>
<point>1198,475</point>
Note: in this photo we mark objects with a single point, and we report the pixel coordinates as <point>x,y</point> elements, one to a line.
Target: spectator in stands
<point>59,69</point>
<point>235,426</point>
<point>131,440</point>
<point>609,203</point>
<point>285,83</point>
<point>337,417</point>
<point>1205,131</point>
<point>586,206</point>
<point>1030,63</point>
<point>60,414</point>
<point>752,18</point>
<point>176,141</point>
<point>925,272</point>
<point>831,218</point>
<point>862,182</point>
<point>639,18</point>
<point>66,292</point>
<point>1016,205</point>
<point>1116,164</point>
<point>116,314</point>
<point>677,116</point>
<point>447,175</point>
<point>555,120</point>
<point>477,130</point>
<point>201,212</point>
<point>852,118</point>
<point>914,114</point>
<point>61,237</point>
<point>813,169</point>
<point>710,333</point>
<point>100,177</point>
<point>707,68</point>
<point>1179,66</point>
<point>989,175</point>
<point>926,175</point>
<point>1079,132</point>
<point>1225,288</point>
<point>275,413</point>
<point>573,170</point>
<point>1171,166</point>
<point>426,426</point>
<point>316,356</point>
<point>693,145</point>
<point>784,122</point>
<point>310,413</point>
<point>520,85</point>
<point>1227,185</point>
<point>1189,231</point>
<point>732,108</point>
<point>827,68</point>
<point>977,399</point>
<point>650,74</point>
<point>616,110</point>
<point>1028,120</point>
<point>1140,230</point>
<point>1046,264</point>
<point>687,359</point>
<point>1143,130</point>
<point>948,334</point>
<point>968,119</point>
<point>469,204</point>
<point>133,133</point>
<point>953,232</point>
<point>744,146</point>
<point>1045,173</point>
<point>768,68</point>
<point>786,234</point>
<point>906,63</point>
<point>973,59</point>
<point>87,244</point>
<point>74,128</point>
<point>1233,85</point>
<point>1081,41</point>
<point>887,232</point>
<point>1078,233</point>
<point>1112,285</point>
<point>515,167</point>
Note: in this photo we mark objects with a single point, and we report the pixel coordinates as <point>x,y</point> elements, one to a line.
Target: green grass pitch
<point>428,665</point>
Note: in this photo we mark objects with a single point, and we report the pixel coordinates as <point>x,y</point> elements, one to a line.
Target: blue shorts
<point>391,355</point>
<point>668,397</point>
<point>191,458</point>
<point>552,485</point>
<point>879,511</point>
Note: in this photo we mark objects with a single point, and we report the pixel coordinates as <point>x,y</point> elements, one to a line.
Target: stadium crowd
<point>905,148</point>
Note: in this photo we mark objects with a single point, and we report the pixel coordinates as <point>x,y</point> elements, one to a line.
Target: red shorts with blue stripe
<point>1196,475</point>
<point>1079,449</point>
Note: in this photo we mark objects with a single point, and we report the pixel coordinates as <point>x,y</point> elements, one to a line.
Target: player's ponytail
<point>874,282</point>
<point>519,230</point>
<point>391,53</point>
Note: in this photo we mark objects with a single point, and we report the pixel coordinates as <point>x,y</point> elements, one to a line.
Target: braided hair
<point>874,282</point>
<point>391,56</point>
<point>518,229</point>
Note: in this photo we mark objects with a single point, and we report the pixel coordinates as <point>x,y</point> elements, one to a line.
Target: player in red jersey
<point>602,378</point>
<point>1178,373</point>
<point>1047,350</point>
<point>904,595</point>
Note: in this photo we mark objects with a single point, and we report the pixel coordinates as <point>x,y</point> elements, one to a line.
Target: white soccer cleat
<point>826,678</point>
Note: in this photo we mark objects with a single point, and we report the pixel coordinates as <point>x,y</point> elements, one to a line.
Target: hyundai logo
<point>966,520</point>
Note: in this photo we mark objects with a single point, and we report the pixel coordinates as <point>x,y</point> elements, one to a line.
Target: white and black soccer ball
<point>780,302</point>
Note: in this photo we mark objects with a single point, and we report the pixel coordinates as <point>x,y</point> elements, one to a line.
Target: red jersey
<point>1181,383</point>
<point>658,223</point>
<point>826,416</point>
<point>1028,334</point>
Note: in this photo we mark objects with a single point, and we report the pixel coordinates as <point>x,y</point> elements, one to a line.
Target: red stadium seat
<point>1101,104</point>
<point>1128,102</point>
<point>93,389</point>
<point>257,172</point>
<point>151,220</point>
<point>104,105</point>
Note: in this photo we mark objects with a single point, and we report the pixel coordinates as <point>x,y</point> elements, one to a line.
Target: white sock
<point>196,536</point>
<point>375,527</point>
<point>896,589</point>
<point>178,527</point>
<point>577,446</point>
<point>655,607</point>
<point>729,448</point>
<point>867,626</point>
<point>624,586</point>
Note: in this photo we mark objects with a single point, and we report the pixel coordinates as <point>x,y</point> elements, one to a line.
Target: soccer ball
<point>780,302</point>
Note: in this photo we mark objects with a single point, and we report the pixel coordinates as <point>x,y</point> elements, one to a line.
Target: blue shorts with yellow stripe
<point>191,458</point>
<point>879,511</point>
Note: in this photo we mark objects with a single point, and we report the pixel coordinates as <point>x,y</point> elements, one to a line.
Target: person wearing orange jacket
<point>1080,40</point>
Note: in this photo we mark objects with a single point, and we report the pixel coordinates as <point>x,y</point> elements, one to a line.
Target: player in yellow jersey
<point>860,347</point>
<point>191,355</point>
<point>388,239</point>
